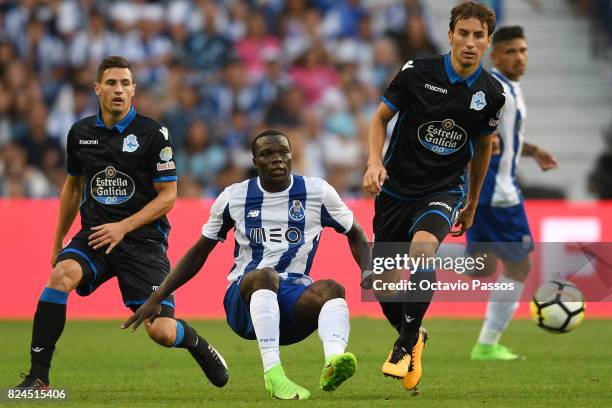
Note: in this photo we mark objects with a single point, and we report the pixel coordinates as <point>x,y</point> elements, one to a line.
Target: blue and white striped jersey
<point>277,230</point>
<point>499,188</point>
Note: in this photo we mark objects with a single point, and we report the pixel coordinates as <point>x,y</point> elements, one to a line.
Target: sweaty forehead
<point>271,141</point>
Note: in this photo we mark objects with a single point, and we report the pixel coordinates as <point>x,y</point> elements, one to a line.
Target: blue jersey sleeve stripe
<point>165,178</point>
<point>296,216</point>
<point>328,221</point>
<point>389,104</point>
<point>227,224</point>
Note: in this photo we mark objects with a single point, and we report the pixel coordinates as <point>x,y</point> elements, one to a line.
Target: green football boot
<point>492,352</point>
<point>279,386</point>
<point>337,370</point>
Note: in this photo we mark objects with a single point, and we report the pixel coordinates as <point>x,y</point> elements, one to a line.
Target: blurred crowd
<point>215,72</point>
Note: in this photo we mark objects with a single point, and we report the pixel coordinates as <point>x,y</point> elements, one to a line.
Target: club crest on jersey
<point>296,212</point>
<point>130,143</point>
<point>478,101</point>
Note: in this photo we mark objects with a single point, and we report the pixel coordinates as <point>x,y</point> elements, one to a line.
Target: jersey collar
<point>453,76</point>
<point>122,124</point>
<point>263,190</point>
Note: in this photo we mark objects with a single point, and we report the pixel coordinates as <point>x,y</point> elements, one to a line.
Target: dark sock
<point>393,313</point>
<point>49,322</point>
<point>414,310</point>
<point>186,336</point>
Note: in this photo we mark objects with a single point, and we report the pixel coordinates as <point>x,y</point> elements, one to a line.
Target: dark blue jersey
<point>120,167</point>
<point>440,115</point>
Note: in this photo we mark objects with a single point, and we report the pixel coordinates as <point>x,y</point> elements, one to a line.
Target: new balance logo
<point>37,349</point>
<point>253,214</point>
<point>408,318</point>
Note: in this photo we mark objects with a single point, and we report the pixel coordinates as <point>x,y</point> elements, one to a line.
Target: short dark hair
<point>508,33</point>
<point>113,61</point>
<point>469,9</point>
<point>269,132</point>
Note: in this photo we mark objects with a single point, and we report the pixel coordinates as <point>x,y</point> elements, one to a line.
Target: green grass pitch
<point>101,365</point>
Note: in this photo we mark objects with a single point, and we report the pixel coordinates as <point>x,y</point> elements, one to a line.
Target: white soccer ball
<point>558,306</point>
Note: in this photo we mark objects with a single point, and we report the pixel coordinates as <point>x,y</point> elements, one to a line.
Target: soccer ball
<point>558,306</point>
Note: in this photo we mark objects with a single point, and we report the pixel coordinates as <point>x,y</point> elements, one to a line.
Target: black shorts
<point>139,267</point>
<point>397,219</point>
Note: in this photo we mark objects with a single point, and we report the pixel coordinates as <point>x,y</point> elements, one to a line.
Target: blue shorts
<point>501,230</point>
<point>239,316</point>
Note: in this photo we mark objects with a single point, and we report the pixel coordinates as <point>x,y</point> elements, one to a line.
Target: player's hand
<point>374,177</point>
<point>546,160</point>
<point>464,221</point>
<point>107,234</point>
<point>495,145</point>
<point>55,252</point>
<point>367,279</point>
<point>149,310</point>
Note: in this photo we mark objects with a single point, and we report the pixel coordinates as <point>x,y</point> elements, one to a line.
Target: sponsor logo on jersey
<point>441,204</point>
<point>130,143</point>
<point>296,212</point>
<point>88,142</point>
<point>478,101</point>
<point>436,89</point>
<point>253,214</point>
<point>166,166</point>
<point>442,137</point>
<point>259,235</point>
<point>166,154</point>
<point>111,186</point>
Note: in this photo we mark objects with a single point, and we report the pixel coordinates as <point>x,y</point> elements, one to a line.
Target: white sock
<point>266,321</point>
<point>334,327</point>
<point>502,305</point>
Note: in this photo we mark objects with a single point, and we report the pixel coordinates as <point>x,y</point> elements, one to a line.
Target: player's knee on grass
<point>265,278</point>
<point>66,276</point>
<point>518,271</point>
<point>162,331</point>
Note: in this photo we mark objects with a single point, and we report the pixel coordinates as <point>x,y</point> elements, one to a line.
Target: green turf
<point>102,365</point>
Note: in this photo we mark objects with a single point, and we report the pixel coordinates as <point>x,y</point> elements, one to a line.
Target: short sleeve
<point>220,220</point>
<point>73,165</point>
<point>493,116</point>
<point>396,95</point>
<point>334,212</point>
<point>161,159</point>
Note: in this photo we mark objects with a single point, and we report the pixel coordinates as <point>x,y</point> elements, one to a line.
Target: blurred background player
<point>500,218</point>
<point>122,178</point>
<point>278,218</point>
<point>448,109</point>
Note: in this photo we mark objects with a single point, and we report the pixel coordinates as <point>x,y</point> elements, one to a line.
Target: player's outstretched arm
<point>187,268</point>
<point>111,234</point>
<point>376,173</point>
<point>477,171</point>
<point>70,197</point>
<point>545,159</point>
<point>360,248</point>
